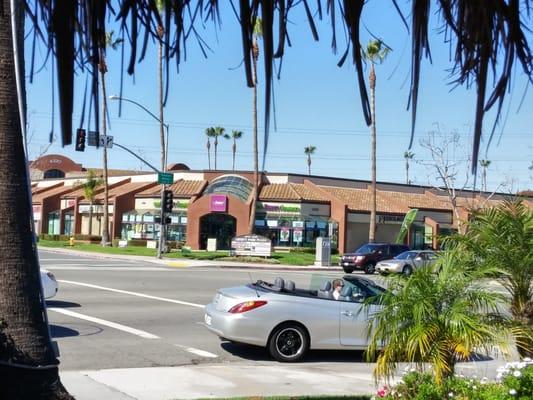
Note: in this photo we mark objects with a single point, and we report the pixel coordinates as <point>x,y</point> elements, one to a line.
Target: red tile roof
<point>290,192</point>
<point>181,188</point>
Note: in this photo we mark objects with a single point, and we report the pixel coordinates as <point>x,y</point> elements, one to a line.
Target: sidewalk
<point>186,262</point>
<point>219,381</point>
<point>240,380</point>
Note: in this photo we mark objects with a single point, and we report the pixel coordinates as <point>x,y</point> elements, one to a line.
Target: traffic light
<point>80,140</point>
<point>168,198</point>
<point>168,220</point>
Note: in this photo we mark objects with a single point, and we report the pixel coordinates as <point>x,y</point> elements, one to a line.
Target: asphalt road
<point>128,314</point>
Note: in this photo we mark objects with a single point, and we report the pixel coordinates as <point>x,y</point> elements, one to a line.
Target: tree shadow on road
<point>61,304</point>
<point>62,331</point>
<point>256,353</point>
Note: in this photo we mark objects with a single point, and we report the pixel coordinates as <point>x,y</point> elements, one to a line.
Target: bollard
<point>71,241</point>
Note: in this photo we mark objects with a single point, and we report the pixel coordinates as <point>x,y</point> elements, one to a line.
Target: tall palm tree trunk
<point>407,170</point>
<point>24,332</point>
<point>234,150</point>
<point>105,226</point>
<point>309,164</point>
<point>208,153</point>
<point>484,179</point>
<point>216,145</point>
<point>255,189</point>
<point>373,206</point>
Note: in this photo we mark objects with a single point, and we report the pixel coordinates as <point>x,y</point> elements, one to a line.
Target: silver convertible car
<point>289,321</point>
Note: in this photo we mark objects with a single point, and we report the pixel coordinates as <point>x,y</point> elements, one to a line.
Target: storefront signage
<point>252,245</point>
<point>272,223</point>
<point>284,235</point>
<point>297,224</point>
<point>279,208</point>
<point>389,219</point>
<point>297,235</point>
<point>36,213</point>
<point>218,203</point>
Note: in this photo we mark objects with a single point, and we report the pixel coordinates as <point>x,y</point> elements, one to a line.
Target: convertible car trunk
<point>228,297</point>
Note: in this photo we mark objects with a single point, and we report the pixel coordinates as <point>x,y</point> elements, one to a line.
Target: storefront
<point>144,221</point>
<point>295,224</point>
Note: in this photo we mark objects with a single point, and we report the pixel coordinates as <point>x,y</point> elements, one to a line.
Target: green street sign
<point>165,178</point>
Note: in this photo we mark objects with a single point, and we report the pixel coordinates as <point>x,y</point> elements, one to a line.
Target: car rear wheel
<point>370,268</point>
<point>288,343</point>
<point>407,270</point>
<point>348,270</point>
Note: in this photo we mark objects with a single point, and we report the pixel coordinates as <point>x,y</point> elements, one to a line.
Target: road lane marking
<point>107,268</point>
<point>198,352</point>
<point>110,324</point>
<point>146,296</point>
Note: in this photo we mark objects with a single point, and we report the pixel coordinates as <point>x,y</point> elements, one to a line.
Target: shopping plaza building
<point>292,210</point>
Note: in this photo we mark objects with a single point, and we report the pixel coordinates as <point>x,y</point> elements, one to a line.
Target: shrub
<point>514,382</point>
<point>137,242</point>
<point>90,238</point>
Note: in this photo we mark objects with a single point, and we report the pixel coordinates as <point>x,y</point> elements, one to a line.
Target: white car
<point>49,283</point>
<point>406,262</point>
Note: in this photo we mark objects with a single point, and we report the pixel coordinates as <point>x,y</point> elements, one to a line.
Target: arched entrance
<point>219,226</point>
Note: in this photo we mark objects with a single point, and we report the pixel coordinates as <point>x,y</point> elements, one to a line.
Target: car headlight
<point>359,258</point>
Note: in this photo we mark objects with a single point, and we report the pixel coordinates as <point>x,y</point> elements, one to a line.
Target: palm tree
<point>438,319</point>
<point>501,239</point>
<point>102,67</point>
<point>485,165</point>
<point>480,44</point>
<point>256,35</point>
<point>217,132</point>
<point>308,151</point>
<point>375,52</point>
<point>408,155</point>
<point>235,135</point>
<point>90,187</point>
<point>209,133</point>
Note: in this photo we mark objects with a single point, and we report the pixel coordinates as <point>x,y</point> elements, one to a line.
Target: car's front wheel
<point>370,268</point>
<point>288,343</point>
<point>407,270</point>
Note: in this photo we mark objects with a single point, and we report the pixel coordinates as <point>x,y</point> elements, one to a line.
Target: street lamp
<point>162,236</point>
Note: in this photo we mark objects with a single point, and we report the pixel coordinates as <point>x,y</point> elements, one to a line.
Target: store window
<point>69,223</point>
<point>287,232</point>
<point>53,173</point>
<point>53,223</point>
<point>230,184</point>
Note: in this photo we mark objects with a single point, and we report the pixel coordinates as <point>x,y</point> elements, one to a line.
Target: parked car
<point>406,262</point>
<point>290,321</point>
<point>49,282</point>
<point>368,255</point>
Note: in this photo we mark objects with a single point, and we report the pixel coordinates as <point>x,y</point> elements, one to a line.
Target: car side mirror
<point>418,258</point>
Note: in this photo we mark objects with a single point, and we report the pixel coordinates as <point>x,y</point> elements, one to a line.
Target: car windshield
<point>406,255</point>
<point>368,248</point>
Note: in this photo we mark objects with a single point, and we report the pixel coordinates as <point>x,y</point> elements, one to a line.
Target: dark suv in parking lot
<point>368,255</point>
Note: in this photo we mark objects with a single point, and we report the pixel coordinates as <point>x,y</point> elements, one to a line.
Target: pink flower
<point>383,391</point>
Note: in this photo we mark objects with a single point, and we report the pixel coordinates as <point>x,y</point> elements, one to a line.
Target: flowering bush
<point>513,382</point>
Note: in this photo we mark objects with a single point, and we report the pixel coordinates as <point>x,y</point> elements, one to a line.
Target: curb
<point>187,263</point>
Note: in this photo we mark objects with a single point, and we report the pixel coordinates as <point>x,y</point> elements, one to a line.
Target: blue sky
<point>316,104</point>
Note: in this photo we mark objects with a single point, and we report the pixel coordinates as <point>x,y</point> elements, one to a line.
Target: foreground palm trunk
<point>373,206</point>
<point>28,366</point>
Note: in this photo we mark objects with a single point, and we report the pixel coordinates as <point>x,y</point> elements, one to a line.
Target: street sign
<point>93,138</point>
<point>106,141</point>
<point>165,178</point>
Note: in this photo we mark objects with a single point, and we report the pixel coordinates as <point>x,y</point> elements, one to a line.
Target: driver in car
<point>338,284</point>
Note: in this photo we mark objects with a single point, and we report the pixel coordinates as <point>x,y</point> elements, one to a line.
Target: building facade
<point>292,210</point>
